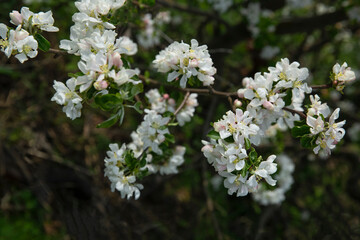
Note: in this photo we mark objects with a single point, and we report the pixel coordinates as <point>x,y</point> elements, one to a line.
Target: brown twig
<point>203,91</point>
<point>301,114</point>
<point>57,51</point>
<point>324,86</point>
<point>182,103</point>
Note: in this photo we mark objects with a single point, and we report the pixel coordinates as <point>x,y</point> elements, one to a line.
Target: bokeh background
<point>51,168</point>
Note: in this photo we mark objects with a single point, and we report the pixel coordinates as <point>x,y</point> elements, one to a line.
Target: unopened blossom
<point>16,17</point>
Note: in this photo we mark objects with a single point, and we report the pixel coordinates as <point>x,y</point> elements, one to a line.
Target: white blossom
<point>66,95</point>
<point>185,61</point>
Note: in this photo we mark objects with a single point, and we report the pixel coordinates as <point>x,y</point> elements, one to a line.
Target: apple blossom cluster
<point>181,59</point>
<point>23,41</point>
<point>148,153</point>
<point>164,103</point>
<point>341,75</point>
<point>284,181</point>
<point>230,153</point>
<point>323,135</point>
<point>102,55</point>
<point>151,33</point>
<point>267,94</point>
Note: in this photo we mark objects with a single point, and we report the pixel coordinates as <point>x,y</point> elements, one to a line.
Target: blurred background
<point>51,168</point>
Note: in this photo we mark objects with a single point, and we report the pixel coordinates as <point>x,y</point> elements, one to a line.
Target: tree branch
<point>301,114</point>
<point>202,91</point>
<point>182,103</point>
<point>324,86</point>
<point>191,10</point>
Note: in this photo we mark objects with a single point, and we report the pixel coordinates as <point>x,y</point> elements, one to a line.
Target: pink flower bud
<point>207,148</point>
<point>20,34</point>
<point>171,102</point>
<point>237,103</point>
<point>268,105</point>
<point>101,85</point>
<point>16,17</point>
<point>240,92</point>
<point>166,96</point>
<point>116,59</point>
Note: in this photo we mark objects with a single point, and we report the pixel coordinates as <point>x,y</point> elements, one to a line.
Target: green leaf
<point>214,135</point>
<point>300,123</point>
<point>109,122</point>
<point>253,156</point>
<point>137,107</point>
<point>308,142</point>
<point>148,2</point>
<point>170,138</point>
<point>121,114</point>
<point>90,92</point>
<point>43,43</point>
<point>167,114</point>
<point>287,98</point>
<point>229,139</point>
<point>108,102</point>
<point>247,144</point>
<point>143,160</point>
<point>299,131</point>
<point>136,89</point>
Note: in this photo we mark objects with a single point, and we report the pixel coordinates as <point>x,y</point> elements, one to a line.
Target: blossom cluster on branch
<point>24,41</point>
<point>269,101</point>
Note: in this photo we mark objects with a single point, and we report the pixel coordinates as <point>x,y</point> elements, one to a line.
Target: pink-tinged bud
<point>171,102</point>
<point>207,148</point>
<point>20,34</point>
<point>268,105</point>
<point>166,96</point>
<point>116,59</point>
<point>218,127</point>
<point>240,92</point>
<point>101,85</point>
<point>237,103</point>
<point>16,17</point>
<point>193,63</point>
<point>177,79</point>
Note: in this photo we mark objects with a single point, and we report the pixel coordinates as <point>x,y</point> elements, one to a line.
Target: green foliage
<point>214,135</point>
<point>299,131</point>
<point>43,43</point>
